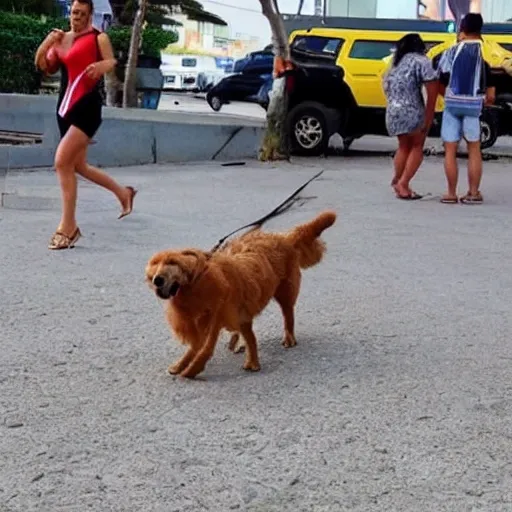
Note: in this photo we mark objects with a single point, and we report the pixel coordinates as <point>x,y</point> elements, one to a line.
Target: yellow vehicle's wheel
<point>488,129</point>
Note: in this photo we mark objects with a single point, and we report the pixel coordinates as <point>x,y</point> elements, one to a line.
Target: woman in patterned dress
<point>407,117</point>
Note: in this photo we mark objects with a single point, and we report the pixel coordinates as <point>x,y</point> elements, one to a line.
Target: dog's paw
<point>252,366</point>
<point>174,369</point>
<point>188,374</point>
<point>289,341</point>
<point>239,349</point>
<point>192,370</point>
<point>236,345</point>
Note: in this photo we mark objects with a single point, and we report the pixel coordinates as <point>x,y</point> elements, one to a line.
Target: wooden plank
<point>11,137</point>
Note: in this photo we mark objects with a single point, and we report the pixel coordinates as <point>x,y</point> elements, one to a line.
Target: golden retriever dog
<point>208,292</point>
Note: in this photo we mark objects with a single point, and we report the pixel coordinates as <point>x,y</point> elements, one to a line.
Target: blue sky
<point>245,16</point>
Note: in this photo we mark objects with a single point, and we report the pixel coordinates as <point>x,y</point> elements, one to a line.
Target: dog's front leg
<point>182,363</point>
<point>202,357</point>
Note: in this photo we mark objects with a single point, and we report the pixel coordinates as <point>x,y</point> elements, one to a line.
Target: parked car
<point>250,83</point>
<point>190,72</point>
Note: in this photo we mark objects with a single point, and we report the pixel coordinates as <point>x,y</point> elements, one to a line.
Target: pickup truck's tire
<point>489,129</point>
<point>310,126</point>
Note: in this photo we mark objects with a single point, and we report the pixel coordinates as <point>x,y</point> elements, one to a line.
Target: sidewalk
<point>397,397</point>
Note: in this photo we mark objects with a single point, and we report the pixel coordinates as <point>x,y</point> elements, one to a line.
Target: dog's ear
<point>193,262</point>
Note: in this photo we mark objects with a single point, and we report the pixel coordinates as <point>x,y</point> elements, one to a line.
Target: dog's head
<point>168,271</point>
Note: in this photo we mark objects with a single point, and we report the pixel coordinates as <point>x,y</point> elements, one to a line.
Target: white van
<point>190,72</point>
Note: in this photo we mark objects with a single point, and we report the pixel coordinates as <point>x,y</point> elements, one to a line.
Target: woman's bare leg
<point>102,179</point>
<point>71,144</point>
<point>413,163</point>
<point>401,156</point>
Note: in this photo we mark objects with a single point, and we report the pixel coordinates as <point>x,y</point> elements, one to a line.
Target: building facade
<point>491,10</point>
<point>216,40</point>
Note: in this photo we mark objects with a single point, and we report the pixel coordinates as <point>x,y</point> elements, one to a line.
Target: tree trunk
<point>275,144</point>
<point>113,90</point>
<point>129,92</point>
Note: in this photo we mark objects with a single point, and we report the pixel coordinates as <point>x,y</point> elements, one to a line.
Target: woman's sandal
<point>128,210</point>
<point>62,241</point>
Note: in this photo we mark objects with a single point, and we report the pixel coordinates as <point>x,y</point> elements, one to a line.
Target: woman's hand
<point>55,36</point>
<point>97,69</point>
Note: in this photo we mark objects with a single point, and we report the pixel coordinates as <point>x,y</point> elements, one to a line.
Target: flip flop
<point>126,212</point>
<point>469,199</point>
<point>413,197</point>
<point>449,200</point>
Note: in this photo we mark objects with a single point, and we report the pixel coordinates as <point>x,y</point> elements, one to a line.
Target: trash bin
<point>149,82</point>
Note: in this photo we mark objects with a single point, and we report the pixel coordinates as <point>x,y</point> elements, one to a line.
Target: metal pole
<point>442,10</point>
<point>318,7</point>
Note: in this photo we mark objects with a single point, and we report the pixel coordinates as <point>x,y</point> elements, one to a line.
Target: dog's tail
<point>305,239</point>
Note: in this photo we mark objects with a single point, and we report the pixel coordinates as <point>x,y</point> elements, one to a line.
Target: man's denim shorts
<point>454,127</point>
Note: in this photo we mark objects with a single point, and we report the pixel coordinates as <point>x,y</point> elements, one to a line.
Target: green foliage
<point>19,38</point>
<point>30,26</point>
<point>48,7</point>
<point>157,12</point>
<point>17,72</point>
<point>154,40</point>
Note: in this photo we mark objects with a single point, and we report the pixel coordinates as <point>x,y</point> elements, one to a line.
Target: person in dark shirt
<point>455,125</point>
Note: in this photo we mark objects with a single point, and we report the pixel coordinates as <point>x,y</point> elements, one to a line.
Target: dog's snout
<point>159,281</point>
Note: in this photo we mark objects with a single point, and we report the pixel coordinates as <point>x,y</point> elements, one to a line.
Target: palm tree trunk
<point>275,141</point>
<point>129,92</point>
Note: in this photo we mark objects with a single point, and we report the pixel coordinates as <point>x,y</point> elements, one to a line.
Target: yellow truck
<point>363,55</point>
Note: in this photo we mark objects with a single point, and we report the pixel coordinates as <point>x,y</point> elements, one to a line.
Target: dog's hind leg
<point>234,345</point>
<point>286,296</point>
<point>251,357</point>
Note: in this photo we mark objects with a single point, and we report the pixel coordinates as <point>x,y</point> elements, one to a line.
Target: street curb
<point>128,136</point>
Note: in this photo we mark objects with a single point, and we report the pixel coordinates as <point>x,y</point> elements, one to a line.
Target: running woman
<point>84,55</point>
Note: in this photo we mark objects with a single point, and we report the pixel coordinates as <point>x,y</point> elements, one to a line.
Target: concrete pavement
<point>398,396</point>
<point>188,102</point>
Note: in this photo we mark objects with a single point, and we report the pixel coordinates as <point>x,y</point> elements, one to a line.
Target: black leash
<point>284,206</point>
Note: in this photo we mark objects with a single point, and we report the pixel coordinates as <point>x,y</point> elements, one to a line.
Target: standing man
<point>468,84</point>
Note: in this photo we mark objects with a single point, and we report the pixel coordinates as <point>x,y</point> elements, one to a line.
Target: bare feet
<point>405,192</point>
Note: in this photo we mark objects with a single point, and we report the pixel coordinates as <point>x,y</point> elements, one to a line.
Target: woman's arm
<point>108,62</point>
<point>428,77</point>
<point>54,37</point>
<point>432,88</point>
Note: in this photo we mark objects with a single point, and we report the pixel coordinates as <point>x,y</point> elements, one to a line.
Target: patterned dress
<point>405,111</point>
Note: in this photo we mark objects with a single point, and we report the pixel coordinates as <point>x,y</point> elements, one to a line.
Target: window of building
<point>316,48</point>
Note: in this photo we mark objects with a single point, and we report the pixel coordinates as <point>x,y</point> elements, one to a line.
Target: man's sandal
<point>449,199</point>
<point>469,199</point>
<point>62,241</point>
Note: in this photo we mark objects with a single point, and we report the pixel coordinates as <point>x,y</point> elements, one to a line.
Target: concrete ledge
<point>129,136</point>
